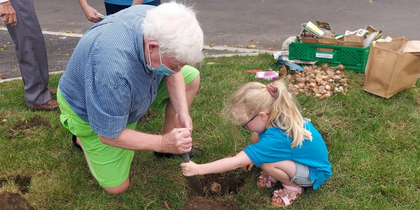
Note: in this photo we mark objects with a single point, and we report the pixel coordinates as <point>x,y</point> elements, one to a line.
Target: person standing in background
<point>25,30</point>
<point>112,6</point>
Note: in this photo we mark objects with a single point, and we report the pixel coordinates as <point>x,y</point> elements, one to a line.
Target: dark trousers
<point>31,52</point>
<point>114,8</point>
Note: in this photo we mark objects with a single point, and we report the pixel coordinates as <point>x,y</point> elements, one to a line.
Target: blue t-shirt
<point>106,81</point>
<point>274,146</point>
<point>124,2</point>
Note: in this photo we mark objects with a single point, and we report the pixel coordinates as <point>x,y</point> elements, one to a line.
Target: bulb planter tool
<point>192,181</point>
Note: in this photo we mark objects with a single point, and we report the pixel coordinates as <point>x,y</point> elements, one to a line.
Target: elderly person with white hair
<point>122,66</point>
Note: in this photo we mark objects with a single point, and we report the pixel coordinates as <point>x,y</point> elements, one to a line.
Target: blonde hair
<point>254,97</point>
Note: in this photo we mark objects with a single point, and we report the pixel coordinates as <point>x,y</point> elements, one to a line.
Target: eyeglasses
<point>245,125</point>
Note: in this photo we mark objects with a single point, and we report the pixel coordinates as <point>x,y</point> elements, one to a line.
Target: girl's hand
<point>247,169</point>
<point>189,168</point>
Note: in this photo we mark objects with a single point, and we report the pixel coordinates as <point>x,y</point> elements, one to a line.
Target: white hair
<point>177,30</point>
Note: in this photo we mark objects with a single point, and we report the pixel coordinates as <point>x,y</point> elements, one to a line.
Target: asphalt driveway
<point>234,23</point>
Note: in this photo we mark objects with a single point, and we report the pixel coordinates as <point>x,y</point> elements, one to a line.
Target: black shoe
<point>195,152</point>
<point>74,139</point>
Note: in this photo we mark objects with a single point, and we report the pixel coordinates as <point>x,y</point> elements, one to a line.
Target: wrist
<point>159,145</point>
<point>199,172</point>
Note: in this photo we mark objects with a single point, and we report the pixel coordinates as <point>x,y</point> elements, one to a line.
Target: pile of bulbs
<point>323,81</point>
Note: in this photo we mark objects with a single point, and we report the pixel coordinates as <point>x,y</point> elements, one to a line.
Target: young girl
<point>287,147</point>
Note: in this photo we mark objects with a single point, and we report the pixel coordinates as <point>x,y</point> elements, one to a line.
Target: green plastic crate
<point>353,58</point>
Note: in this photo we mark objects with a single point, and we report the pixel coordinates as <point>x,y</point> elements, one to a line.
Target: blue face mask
<point>160,70</point>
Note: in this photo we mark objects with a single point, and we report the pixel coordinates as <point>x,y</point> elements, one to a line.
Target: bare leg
<point>282,171</point>
<point>120,188</point>
<point>191,91</point>
<point>114,190</point>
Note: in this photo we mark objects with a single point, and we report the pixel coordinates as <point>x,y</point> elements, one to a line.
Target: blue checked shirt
<point>106,81</point>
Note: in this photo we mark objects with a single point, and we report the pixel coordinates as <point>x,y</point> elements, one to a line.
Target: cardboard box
<point>321,34</point>
<point>328,41</point>
<point>309,40</point>
<point>348,41</point>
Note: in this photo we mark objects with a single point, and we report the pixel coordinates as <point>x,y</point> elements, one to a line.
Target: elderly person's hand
<point>178,141</point>
<point>183,120</point>
<point>7,13</point>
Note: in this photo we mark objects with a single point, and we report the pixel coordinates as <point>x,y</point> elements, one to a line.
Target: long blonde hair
<point>254,97</point>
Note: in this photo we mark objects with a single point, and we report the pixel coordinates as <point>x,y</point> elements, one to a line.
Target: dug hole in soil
<point>10,200</point>
<point>215,186</point>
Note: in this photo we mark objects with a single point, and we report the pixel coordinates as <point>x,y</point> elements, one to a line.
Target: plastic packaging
<point>267,75</point>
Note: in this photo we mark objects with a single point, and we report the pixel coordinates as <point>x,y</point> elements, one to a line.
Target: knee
<point>118,189</point>
<point>194,84</point>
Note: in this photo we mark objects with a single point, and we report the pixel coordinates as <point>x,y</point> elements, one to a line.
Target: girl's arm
<point>135,2</point>
<point>219,166</point>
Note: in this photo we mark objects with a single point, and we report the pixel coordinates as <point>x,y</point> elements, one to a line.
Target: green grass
<point>373,147</point>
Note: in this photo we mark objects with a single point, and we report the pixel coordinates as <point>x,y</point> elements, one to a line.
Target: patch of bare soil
<point>13,201</point>
<point>27,124</point>
<point>33,122</point>
<point>230,182</point>
<point>202,203</point>
<point>216,185</point>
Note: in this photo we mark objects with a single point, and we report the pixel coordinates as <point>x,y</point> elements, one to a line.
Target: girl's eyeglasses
<point>245,125</point>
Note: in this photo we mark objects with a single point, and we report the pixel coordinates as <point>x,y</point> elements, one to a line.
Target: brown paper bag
<point>390,68</point>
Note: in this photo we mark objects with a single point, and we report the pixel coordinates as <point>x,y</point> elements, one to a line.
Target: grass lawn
<point>373,146</point>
